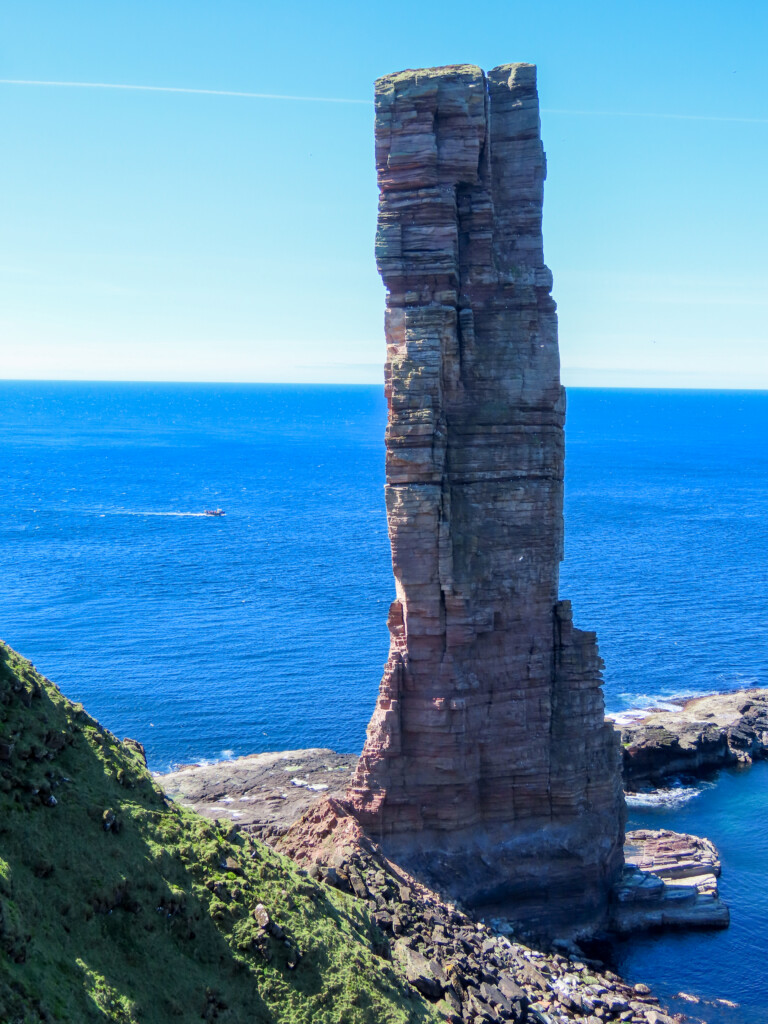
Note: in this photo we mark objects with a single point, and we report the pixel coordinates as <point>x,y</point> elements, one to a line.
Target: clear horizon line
<point>346,384</point>
<point>358,102</point>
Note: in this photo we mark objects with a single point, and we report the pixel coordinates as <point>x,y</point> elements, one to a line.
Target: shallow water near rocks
<point>265,629</point>
<point>710,965</point>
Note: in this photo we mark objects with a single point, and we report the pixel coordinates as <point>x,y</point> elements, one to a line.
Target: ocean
<point>264,629</point>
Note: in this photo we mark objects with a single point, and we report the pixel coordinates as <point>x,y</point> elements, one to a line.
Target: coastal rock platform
<point>669,881</point>
<point>675,857</point>
<point>695,737</point>
<point>265,793</point>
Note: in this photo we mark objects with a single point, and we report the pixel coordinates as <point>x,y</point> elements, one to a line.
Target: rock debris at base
<point>669,879</point>
<point>436,939</point>
<point>470,969</point>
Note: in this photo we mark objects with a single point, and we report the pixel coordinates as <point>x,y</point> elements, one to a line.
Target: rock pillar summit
<point>488,762</point>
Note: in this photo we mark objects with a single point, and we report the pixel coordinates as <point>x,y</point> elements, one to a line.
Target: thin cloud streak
<point>338,99</point>
<point>197,92</point>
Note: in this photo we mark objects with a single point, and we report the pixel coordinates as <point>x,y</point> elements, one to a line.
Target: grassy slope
<point>152,920</point>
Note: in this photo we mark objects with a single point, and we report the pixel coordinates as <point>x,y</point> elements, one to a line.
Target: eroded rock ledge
<point>669,881</point>
<point>266,793</point>
<point>698,736</point>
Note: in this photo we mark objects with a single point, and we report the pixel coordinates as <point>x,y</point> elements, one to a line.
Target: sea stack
<point>488,763</point>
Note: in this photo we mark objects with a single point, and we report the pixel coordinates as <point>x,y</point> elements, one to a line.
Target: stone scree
<point>488,763</point>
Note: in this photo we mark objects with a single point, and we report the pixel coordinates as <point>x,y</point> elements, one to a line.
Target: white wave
<point>672,797</point>
<point>644,703</point>
<point>641,703</point>
<point>626,717</point>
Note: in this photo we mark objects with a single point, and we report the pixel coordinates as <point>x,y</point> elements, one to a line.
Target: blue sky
<point>181,236</point>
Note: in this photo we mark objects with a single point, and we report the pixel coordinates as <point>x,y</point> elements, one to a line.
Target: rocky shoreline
<point>695,736</point>
<point>670,882</point>
<point>474,968</point>
<point>266,794</point>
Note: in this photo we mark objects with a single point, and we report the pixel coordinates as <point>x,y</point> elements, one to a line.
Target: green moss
<point>116,905</point>
<point>445,71</point>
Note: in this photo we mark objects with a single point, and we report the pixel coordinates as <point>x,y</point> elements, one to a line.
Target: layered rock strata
<point>488,762</point>
<point>676,857</point>
<point>669,881</point>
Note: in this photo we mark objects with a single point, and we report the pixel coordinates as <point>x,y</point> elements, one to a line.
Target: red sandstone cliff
<point>488,762</point>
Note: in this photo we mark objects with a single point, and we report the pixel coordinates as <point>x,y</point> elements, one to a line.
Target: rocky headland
<point>669,879</point>
<point>469,966</point>
<point>695,736</point>
<point>119,905</point>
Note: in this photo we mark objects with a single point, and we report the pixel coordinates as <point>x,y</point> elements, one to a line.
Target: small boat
<point>214,512</point>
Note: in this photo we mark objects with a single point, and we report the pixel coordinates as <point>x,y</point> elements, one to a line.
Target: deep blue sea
<point>265,629</point>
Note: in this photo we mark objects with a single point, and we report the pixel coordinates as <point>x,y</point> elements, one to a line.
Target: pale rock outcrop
<point>669,881</point>
<point>488,763</point>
